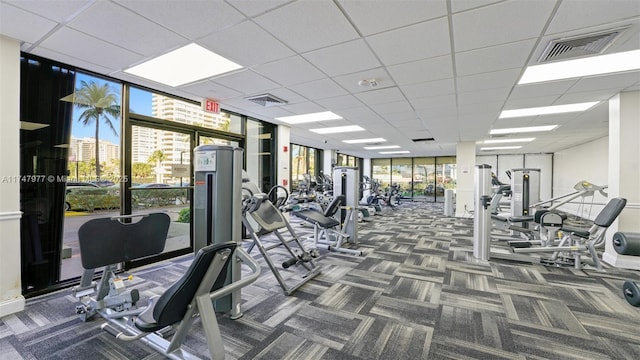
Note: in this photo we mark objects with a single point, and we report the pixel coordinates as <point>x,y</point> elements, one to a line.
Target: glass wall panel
<point>258,153</point>
<point>424,179</point>
<point>381,171</point>
<point>446,175</point>
<point>148,103</point>
<point>94,180</point>
<point>401,174</point>
<point>158,183</point>
<point>45,131</point>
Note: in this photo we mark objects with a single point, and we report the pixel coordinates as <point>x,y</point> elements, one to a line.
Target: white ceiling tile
<point>481,96</point>
<point>350,81</point>
<point>304,108</point>
<point>497,79</point>
<point>612,81</point>
<point>340,102</point>
<point>462,5</point>
<point>255,7</point>
<point>500,23</point>
<point>12,22</point>
<point>575,14</point>
<point>360,114</point>
<point>289,71</point>
<point>86,48</point>
<point>527,102</point>
<point>149,39</point>
<point>211,90</point>
<point>308,25</point>
<point>586,96</point>
<point>446,101</point>
<point>376,16</point>
<point>393,107</point>
<point>318,89</point>
<point>344,58</point>
<point>66,59</point>
<point>246,44</point>
<point>380,96</point>
<point>58,11</point>
<point>247,82</point>
<point>428,39</point>
<point>428,89</point>
<point>541,89</point>
<point>204,17</point>
<point>422,70</point>
<point>494,58</point>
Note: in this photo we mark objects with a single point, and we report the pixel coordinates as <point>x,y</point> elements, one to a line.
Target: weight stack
<point>626,243</point>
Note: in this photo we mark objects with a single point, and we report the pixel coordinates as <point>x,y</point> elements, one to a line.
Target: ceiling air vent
<point>267,100</point>
<point>578,46</point>
<point>423,140</point>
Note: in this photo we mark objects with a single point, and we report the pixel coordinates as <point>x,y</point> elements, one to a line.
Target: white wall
<point>588,162</point>
<point>11,299</point>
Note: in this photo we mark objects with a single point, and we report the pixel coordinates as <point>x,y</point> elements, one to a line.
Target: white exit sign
<point>211,106</point>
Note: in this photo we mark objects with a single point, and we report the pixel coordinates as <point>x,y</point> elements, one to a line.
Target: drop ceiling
<point>444,69</point>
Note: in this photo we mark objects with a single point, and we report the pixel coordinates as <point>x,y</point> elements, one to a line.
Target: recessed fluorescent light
<point>523,129</point>
<point>360,141</point>
<point>381,147</point>
<point>27,125</point>
<point>306,118</point>
<point>184,65</point>
<point>546,110</point>
<point>595,65</point>
<point>501,148</point>
<point>337,129</point>
<point>504,141</point>
<point>394,152</point>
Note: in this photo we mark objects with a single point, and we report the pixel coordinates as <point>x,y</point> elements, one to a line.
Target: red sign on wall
<point>211,106</point>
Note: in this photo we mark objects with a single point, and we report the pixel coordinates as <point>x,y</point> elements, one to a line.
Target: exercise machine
<point>105,243</point>
<point>628,243</point>
<point>569,250</point>
<point>346,182</point>
<point>194,294</point>
<point>262,219</point>
<point>326,229</point>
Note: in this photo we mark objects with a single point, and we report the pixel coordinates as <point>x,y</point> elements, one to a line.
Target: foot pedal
<point>519,244</point>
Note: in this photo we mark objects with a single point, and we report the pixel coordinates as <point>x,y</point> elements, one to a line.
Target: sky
<point>140,102</point>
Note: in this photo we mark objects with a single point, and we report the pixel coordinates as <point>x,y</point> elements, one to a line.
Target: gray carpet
<point>417,293</point>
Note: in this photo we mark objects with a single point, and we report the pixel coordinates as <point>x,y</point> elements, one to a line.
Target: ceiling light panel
<point>523,129</point>
<point>337,129</point>
<point>307,118</point>
<point>595,65</point>
<point>363,141</point>
<point>546,110</point>
<point>184,65</point>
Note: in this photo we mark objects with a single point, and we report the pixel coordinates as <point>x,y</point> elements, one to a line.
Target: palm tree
<point>99,101</point>
<point>158,156</point>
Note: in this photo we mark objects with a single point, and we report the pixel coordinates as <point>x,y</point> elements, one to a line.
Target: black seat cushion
<point>172,305</point>
<point>316,217</point>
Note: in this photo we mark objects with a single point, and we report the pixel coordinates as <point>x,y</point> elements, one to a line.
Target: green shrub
<point>184,216</point>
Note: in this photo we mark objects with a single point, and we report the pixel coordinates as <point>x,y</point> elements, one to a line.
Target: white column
<point>284,157</point>
<point>465,163</point>
<point>624,171</point>
<point>11,299</point>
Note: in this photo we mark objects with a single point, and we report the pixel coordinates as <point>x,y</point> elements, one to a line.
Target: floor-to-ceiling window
<point>305,167</point>
<point>93,147</point>
<point>422,179</point>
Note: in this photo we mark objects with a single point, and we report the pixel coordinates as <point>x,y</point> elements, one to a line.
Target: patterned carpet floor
<point>416,293</point>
